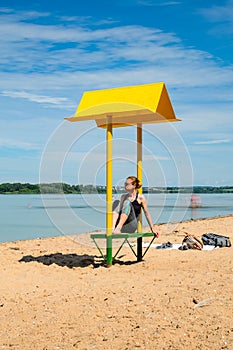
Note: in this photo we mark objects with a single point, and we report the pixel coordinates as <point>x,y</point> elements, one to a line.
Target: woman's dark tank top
<point>137,207</point>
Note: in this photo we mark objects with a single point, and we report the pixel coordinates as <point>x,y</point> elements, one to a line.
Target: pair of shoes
<point>165,245</point>
<point>183,247</point>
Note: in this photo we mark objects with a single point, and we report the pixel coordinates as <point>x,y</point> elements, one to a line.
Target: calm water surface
<point>31,216</point>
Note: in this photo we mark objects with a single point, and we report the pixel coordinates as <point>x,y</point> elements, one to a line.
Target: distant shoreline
<point>63,188</point>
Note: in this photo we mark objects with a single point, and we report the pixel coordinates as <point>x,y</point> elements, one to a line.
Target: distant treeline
<point>199,189</point>
<point>26,188</point>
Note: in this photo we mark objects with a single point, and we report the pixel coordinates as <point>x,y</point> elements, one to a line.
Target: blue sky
<point>52,51</point>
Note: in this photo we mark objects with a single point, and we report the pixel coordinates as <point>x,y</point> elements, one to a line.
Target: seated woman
<point>126,211</point>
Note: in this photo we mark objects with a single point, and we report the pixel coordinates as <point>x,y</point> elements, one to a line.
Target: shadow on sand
<point>73,260</point>
<point>68,260</point>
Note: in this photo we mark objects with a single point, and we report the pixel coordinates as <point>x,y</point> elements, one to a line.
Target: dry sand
<point>56,294</point>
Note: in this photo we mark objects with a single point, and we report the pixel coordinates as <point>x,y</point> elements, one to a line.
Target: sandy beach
<point>57,294</point>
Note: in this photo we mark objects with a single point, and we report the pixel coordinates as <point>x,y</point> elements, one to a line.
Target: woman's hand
<point>156,234</point>
<point>116,230</point>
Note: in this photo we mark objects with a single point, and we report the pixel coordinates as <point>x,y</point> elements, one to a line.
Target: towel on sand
<point>173,246</point>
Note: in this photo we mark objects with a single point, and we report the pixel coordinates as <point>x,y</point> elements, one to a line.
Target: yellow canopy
<point>130,105</point>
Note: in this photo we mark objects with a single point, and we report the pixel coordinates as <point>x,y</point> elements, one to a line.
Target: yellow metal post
<point>139,176</point>
<point>109,191</point>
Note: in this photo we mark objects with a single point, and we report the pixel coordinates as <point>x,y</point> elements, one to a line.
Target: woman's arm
<point>114,219</point>
<point>147,214</point>
<point>115,216</point>
<point>121,222</point>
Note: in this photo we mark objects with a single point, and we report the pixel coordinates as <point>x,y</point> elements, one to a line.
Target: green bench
<point>139,254</point>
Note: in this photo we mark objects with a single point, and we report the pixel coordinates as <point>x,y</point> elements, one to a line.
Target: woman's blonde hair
<point>135,181</point>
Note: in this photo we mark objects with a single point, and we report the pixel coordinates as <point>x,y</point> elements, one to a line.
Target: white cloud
<point>221,15</point>
<point>211,142</point>
<point>9,143</point>
<point>155,157</point>
<point>162,3</point>
<point>58,101</point>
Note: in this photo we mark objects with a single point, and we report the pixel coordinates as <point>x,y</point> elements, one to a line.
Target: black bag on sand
<point>216,240</point>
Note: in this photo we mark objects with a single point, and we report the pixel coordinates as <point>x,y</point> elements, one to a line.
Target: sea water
<point>34,216</point>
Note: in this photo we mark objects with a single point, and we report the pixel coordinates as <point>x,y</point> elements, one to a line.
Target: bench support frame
<point>139,254</point>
